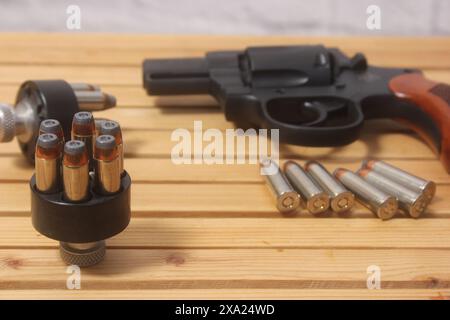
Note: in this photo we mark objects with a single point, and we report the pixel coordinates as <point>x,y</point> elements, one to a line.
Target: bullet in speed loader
<point>83,129</point>
<point>107,165</point>
<point>109,127</point>
<point>383,205</point>
<point>425,187</point>
<point>75,171</point>
<point>412,202</point>
<point>316,199</point>
<point>341,199</point>
<point>51,126</point>
<point>287,199</point>
<point>47,163</point>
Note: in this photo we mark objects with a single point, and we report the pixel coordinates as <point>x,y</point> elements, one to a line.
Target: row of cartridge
<point>380,186</point>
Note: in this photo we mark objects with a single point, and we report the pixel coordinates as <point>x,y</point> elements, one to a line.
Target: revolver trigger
<point>319,110</point>
<point>324,110</point>
<point>327,106</point>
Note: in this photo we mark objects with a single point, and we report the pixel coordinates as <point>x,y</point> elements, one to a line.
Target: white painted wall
<point>299,17</point>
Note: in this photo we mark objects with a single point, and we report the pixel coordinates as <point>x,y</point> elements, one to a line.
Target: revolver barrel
<point>176,76</point>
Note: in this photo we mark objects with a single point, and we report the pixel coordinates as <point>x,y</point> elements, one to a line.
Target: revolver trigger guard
<point>317,132</point>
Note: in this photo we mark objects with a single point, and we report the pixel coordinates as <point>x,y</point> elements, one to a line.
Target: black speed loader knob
<point>78,204</point>
<point>47,99</point>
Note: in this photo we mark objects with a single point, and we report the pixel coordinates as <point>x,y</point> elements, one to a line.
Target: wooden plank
<point>104,75</point>
<point>395,146</point>
<point>230,294</point>
<point>206,199</point>
<point>158,144</point>
<point>44,40</point>
<point>16,169</point>
<point>209,232</point>
<point>131,50</point>
<point>119,75</point>
<point>238,268</point>
<point>124,56</point>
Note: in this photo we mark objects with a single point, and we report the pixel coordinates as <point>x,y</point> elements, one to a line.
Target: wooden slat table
<point>204,231</point>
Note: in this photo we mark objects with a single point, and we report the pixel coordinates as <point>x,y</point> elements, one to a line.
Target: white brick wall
<point>300,17</point>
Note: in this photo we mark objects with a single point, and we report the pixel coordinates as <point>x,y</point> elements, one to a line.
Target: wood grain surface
<point>212,231</point>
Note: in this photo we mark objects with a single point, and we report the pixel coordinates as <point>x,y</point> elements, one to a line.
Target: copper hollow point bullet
<point>383,205</point>
<point>425,187</point>
<point>286,198</point>
<point>412,202</point>
<point>53,126</point>
<point>107,165</point>
<point>109,127</point>
<point>47,163</point>
<point>75,171</point>
<point>341,199</point>
<point>83,129</point>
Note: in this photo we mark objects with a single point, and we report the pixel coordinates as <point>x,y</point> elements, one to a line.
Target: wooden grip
<point>434,99</point>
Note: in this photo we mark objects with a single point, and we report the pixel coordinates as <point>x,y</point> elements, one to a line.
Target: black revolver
<point>315,96</point>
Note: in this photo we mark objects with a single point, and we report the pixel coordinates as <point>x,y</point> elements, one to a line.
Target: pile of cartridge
<point>379,186</point>
<point>77,186</point>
